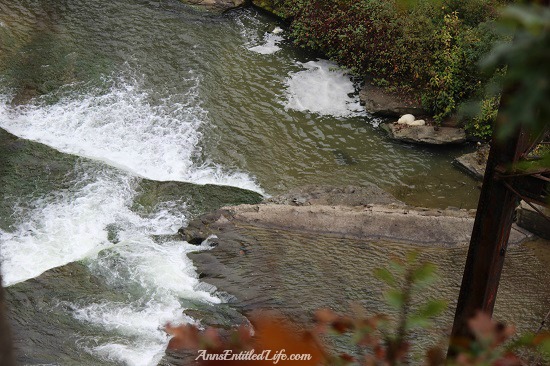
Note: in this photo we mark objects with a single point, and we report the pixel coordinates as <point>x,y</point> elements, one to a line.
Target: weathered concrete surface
<point>217,5</point>
<point>475,162</point>
<point>425,134</point>
<point>372,222</point>
<point>379,102</point>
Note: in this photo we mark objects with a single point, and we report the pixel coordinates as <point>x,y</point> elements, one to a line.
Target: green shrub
<point>429,49</point>
<point>480,126</point>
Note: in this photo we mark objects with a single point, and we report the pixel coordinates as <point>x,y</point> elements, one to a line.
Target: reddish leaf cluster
<point>269,335</point>
<point>269,332</point>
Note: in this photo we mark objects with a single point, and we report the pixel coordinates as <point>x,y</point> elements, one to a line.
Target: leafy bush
<point>427,49</point>
<point>480,124</point>
<point>454,72</point>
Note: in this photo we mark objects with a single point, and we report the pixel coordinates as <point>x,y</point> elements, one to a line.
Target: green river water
<point>122,120</point>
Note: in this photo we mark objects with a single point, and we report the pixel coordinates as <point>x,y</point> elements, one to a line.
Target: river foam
<point>128,134</point>
<point>322,88</point>
<point>94,222</point>
<point>64,226</point>
<point>269,46</point>
<point>165,276</point>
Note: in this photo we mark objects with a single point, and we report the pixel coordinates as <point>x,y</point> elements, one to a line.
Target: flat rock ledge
<point>474,163</point>
<point>373,222</point>
<point>301,251</point>
<point>344,213</point>
<point>427,135</point>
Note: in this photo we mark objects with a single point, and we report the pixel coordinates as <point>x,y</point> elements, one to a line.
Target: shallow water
<point>300,277</point>
<point>133,89</point>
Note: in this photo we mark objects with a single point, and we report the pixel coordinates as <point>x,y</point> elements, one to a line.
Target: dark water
<point>132,89</point>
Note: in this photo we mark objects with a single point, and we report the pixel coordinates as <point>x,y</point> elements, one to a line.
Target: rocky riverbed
<point>317,246</point>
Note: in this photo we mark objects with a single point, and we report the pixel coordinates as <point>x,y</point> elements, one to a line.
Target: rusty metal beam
<point>490,235</point>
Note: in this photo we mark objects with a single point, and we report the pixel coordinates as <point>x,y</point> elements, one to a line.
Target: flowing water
<point>120,102</point>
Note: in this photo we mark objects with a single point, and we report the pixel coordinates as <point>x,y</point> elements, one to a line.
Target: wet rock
<point>428,135</point>
<point>193,235</point>
<point>528,218</point>
<point>347,212</point>
<point>475,162</point>
<point>201,198</point>
<point>217,5</point>
<point>379,102</point>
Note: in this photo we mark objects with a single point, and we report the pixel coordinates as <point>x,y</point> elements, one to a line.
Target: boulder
<point>475,162</point>
<point>418,122</point>
<point>379,102</point>
<point>406,119</point>
<point>429,135</point>
<point>533,221</point>
<point>217,5</point>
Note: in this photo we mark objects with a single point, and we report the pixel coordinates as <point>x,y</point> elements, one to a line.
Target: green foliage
<point>406,279</point>
<point>527,76</point>
<point>480,125</point>
<point>456,76</point>
<point>473,12</point>
<point>426,49</point>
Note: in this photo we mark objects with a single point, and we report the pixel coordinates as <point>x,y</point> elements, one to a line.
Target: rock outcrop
<point>378,222</point>
<point>429,135</point>
<point>475,162</point>
<point>309,249</point>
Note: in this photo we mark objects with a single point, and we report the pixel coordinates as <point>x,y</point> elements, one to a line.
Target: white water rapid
<point>123,129</point>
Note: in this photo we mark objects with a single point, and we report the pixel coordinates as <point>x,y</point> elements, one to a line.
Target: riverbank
<point>423,55</point>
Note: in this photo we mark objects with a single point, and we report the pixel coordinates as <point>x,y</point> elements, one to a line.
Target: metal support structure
<point>490,234</point>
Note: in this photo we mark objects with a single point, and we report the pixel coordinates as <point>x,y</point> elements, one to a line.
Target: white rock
<point>418,122</point>
<point>406,119</point>
<point>277,30</point>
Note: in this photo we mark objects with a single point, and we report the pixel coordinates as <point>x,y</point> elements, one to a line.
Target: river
<point>127,109</point>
